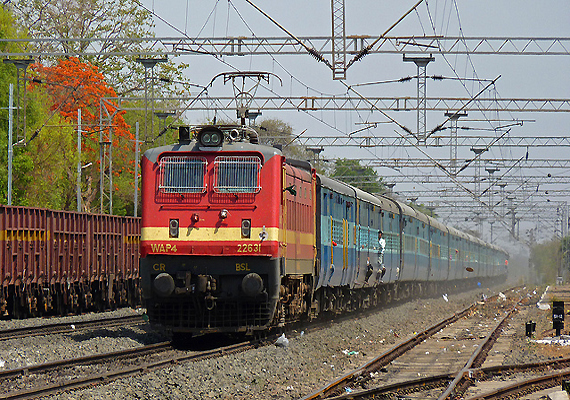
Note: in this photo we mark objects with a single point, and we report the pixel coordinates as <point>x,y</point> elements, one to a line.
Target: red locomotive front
<point>211,241</point>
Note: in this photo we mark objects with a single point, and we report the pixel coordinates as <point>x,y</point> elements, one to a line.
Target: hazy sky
<point>521,76</point>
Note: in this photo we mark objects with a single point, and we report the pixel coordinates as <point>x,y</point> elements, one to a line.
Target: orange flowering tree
<point>72,84</point>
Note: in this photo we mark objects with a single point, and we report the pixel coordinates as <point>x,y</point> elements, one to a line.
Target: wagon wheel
<point>61,302</point>
<point>85,297</point>
<point>48,300</point>
<point>4,306</point>
<point>112,295</point>
<point>16,309</point>
<point>42,302</point>
<point>31,303</point>
<point>181,340</point>
<point>73,305</point>
<point>134,294</point>
<point>101,297</point>
<point>120,294</point>
<point>372,298</point>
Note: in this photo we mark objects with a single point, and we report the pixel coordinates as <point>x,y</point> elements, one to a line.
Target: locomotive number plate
<point>249,248</point>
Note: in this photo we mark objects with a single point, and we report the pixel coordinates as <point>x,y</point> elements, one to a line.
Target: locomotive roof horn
<point>234,135</point>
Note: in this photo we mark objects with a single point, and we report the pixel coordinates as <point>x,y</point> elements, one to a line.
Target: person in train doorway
<point>381,268</point>
<point>369,270</point>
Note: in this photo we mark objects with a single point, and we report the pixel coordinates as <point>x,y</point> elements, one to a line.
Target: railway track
<point>55,377</point>
<point>60,376</point>
<point>515,390</point>
<point>66,375</point>
<point>65,327</point>
<point>473,382</point>
<point>558,293</point>
<point>476,383</point>
<point>521,388</point>
<point>415,353</point>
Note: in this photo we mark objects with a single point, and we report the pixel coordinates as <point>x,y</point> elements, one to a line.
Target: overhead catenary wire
<point>410,78</point>
<point>383,113</point>
<point>362,53</point>
<point>311,50</point>
<point>401,126</point>
<point>169,126</point>
<point>457,78</point>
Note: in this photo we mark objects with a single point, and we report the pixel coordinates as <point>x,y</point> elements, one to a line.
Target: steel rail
<point>41,368</point>
<point>108,376</point>
<point>463,379</point>
<point>386,357</point>
<point>427,383</point>
<point>69,326</point>
<point>437,381</point>
<point>525,387</point>
<point>335,386</point>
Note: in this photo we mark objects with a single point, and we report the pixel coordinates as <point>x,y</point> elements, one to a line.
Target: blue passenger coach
<point>420,252</point>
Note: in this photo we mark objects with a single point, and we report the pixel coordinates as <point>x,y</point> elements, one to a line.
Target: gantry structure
<point>484,192</point>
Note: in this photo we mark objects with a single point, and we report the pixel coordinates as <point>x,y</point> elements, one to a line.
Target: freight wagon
<point>56,262</point>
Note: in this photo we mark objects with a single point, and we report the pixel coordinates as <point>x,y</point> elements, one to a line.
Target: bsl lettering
<point>242,267</point>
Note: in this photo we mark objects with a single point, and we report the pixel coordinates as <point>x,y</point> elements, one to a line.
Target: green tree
<point>545,258</point>
<point>274,131</point>
<point>565,252</point>
<point>53,173</point>
<point>428,211</point>
<point>22,163</point>
<point>363,177</point>
<point>108,20</point>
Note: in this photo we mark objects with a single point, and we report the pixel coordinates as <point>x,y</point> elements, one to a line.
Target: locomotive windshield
<point>182,174</point>
<point>237,174</point>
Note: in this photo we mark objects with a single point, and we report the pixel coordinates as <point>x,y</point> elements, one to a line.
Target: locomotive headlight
<point>195,217</point>
<point>163,284</point>
<point>173,228</point>
<point>252,284</point>
<point>245,228</point>
<point>224,214</point>
<point>210,137</point>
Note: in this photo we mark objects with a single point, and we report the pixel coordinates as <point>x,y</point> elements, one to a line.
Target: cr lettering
<point>159,267</point>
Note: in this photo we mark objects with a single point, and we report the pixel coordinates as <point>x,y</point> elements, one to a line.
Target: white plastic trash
<point>282,341</point>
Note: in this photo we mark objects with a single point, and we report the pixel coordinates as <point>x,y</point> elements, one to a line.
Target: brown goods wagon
<point>55,262</point>
<point>130,258</point>
<point>24,269</point>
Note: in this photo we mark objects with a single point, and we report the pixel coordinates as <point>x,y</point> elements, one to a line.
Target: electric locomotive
<point>236,238</point>
<point>216,238</point>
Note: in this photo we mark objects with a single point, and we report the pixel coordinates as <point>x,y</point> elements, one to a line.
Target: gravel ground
<point>310,360</point>
<point>526,350</point>
<point>18,353</point>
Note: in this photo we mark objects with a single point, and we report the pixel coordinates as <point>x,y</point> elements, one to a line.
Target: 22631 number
<point>249,248</point>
